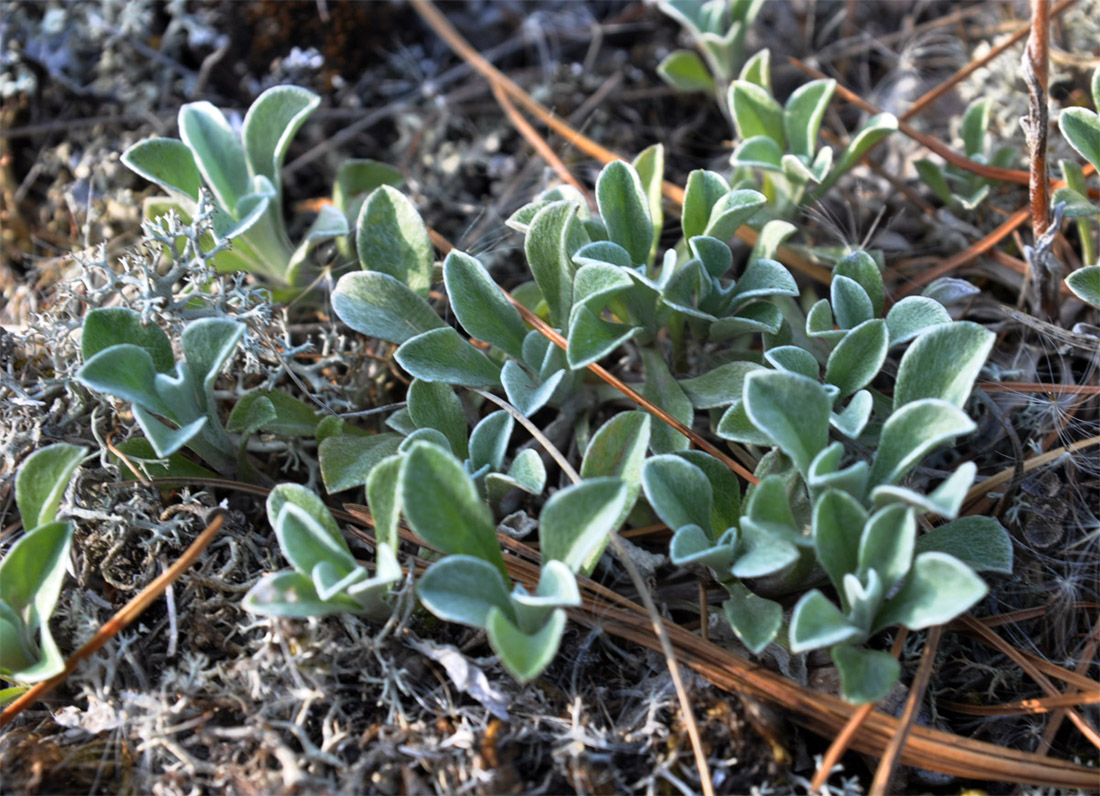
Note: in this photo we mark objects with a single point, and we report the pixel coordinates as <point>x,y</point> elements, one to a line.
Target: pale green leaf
<point>858,357</point>
<point>525,655</point>
<point>347,460</point>
<point>217,150</point>
<point>979,542</point>
<point>269,126</point>
<point>755,620</point>
<point>685,71</point>
<point>938,588</point>
<point>865,675</point>
<point>792,410</point>
<point>480,305</point>
<point>816,623</point>
<point>391,238</point>
<point>166,162</point>
<point>943,363</point>
<point>464,589</point>
<point>378,305</point>
<point>577,520</point>
<point>42,480</point>
<point>443,355</point>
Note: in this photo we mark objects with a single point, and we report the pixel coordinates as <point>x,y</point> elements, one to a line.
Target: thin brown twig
<point>888,763</point>
<point>119,622</point>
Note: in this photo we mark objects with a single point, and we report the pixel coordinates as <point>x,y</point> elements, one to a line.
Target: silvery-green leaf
<point>378,305</point>
<point>714,254</point>
<point>274,411</point>
<point>428,435</point>
<point>720,386</point>
<point>792,410</point>
<point>108,326</point>
<point>1085,284</point>
<point>758,70</point>
<point>933,176</point>
<point>600,252</point>
<point>42,480</point>
<point>444,355</point>
<point>938,588</point>
<point>650,166</point>
<point>391,238</point>
<point>165,439</point>
<point>759,152</point>
<point>679,492</point>
<point>525,655</point>
<point>911,316</point>
<point>454,520</point>
<point>400,422</point>
<point>865,675</point>
<point>685,71</point>
<point>591,338</point>
<point>464,589</point>
<point>863,597</point>
<point>948,290</point>
<point>838,524</point>
<point>1074,204</point>
<point>979,542</point>
<point>725,489</point>
<point>480,305</point>
<point>803,114</point>
<point>945,500</point>
<point>796,170</point>
<point>305,499</point>
<point>771,238</point>
<point>305,542</point>
<point>32,571</point>
<point>760,552</point>
<point>769,507</point>
<point>665,392</point>
<point>793,359</point>
<point>975,123</point>
<point>819,323</point>
<point>874,130</point>
<point>360,176</point>
<point>692,545</point>
<point>755,112</point>
<point>528,471</point>
<point>731,211</point>
<point>596,284</point>
<point>624,208</point>
<point>857,358</point>
<point>435,405</point>
<point>16,649</point>
<point>328,581</point>
<point>861,267</point>
<point>825,472</point>
<point>578,519</point>
<point>755,620</point>
<point>703,191</point>
<point>525,393</point>
<point>943,363</point>
<point>270,125</point>
<point>489,440</point>
<point>760,317</point>
<point>816,623</point>
<point>735,425</point>
<point>207,343</point>
<point>549,256</point>
<point>217,150</point>
<point>347,460</point>
<point>764,278</point>
<point>853,419</point>
<point>166,162</point>
<point>911,432</point>
<point>386,572</point>
<point>1081,127</point>
<point>886,545</point>
<point>384,498</point>
<point>618,449</point>
<point>292,594</point>
<point>125,371</point>
<point>851,304</point>
<point>557,587</point>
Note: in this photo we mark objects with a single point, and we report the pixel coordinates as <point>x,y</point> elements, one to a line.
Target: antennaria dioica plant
<point>1081,127</point>
<point>33,569</point>
<point>832,507</point>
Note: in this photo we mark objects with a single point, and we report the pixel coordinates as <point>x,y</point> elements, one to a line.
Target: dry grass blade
<point>1034,463</point>
<point>120,621</point>
<point>1032,706</point>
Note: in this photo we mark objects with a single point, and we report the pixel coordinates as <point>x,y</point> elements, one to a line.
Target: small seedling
<point>33,570</point>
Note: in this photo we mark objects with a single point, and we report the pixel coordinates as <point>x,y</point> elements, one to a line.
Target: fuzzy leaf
<point>217,150</point>
<point>704,190</point>
<point>525,393</point>
<point>725,489</point>
<point>618,449</point>
<point>207,343</point>
<point>764,278</point>
<point>489,440</point>
<point>803,114</point>
<point>853,419</point>
<point>979,542</point>
<point>305,499</point>
<point>945,500</point>
<point>464,589</point>
<point>384,498</point>
<point>861,267</point>
<point>663,390</point>
<point>759,152</point>
<point>108,326</point>
<point>578,520</point>
<point>1081,127</point>
<point>591,338</point>
<point>347,460</point>
<point>435,405</point>
<point>525,655</point>
<point>165,439</point>
<point>720,386</point>
<point>685,71</point>
<point>42,480</point>
<point>731,211</point>
<point>938,588</point>
<point>911,432</point>
<point>293,595</point>
<point>792,410</point>
<point>166,162</point>
<point>874,130</point>
<point>851,304</point>
<point>360,176</point>
<point>550,259</point>
<point>735,425</point>
<point>283,414</point>
<point>443,355</point>
<point>943,363</point>
<point>679,492</point>
<point>913,315</point>
<point>305,542</point>
<point>838,525</point>
<point>760,552</point>
<point>624,208</point>
<point>886,545</point>
<point>865,675</point>
<point>755,620</point>
<point>270,125</point>
<point>755,112</point>
<point>816,623</point>
<point>454,520</point>
<point>857,358</point>
<point>127,372</point>
<point>480,305</point>
<point>692,545</point>
<point>1085,284</point>
<point>794,359</point>
<point>329,224</point>
<point>378,305</point>
<point>391,238</point>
